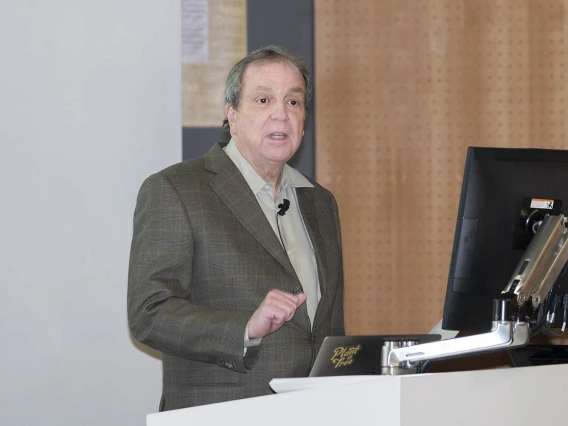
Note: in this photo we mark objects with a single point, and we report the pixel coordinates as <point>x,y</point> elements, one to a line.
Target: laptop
<point>531,355</point>
<point>357,355</point>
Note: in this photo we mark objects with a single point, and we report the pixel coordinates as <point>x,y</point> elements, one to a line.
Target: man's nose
<point>279,111</point>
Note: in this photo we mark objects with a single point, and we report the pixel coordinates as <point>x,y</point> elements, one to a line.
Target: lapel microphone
<point>283,207</point>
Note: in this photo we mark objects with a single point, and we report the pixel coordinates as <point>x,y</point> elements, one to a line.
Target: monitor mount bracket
<point>533,279</point>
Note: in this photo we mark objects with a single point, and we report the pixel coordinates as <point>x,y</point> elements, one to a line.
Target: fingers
<point>280,306</point>
<point>277,308</point>
<point>296,300</point>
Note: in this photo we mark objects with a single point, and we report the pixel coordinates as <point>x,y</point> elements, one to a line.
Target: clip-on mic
<point>283,207</point>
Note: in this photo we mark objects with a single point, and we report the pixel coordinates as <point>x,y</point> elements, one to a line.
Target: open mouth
<point>278,135</point>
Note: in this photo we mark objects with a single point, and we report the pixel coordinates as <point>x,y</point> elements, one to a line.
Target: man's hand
<point>277,308</point>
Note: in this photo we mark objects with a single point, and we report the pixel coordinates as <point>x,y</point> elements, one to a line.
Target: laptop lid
<point>357,355</point>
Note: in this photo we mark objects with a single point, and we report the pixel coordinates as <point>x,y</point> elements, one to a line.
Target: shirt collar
<point>290,176</point>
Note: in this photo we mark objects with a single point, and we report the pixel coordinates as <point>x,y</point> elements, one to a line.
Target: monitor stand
<point>446,334</point>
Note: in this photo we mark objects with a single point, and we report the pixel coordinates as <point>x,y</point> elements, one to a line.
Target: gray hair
<point>268,54</point>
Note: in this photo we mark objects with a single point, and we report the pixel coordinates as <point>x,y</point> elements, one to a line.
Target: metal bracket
<point>503,335</point>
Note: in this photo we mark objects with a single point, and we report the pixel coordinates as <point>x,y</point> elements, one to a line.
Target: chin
<point>280,154</point>
<point>281,157</point>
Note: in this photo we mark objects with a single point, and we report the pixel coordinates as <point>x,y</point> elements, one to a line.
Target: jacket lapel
<point>233,190</point>
<point>309,215</point>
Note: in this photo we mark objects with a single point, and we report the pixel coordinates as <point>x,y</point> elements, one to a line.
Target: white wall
<point>89,106</point>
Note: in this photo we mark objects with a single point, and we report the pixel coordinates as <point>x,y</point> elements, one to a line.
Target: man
<point>236,270</point>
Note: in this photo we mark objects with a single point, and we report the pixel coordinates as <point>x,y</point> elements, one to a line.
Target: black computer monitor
<point>505,193</point>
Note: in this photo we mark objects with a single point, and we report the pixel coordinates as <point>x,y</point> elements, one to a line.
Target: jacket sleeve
<point>160,312</point>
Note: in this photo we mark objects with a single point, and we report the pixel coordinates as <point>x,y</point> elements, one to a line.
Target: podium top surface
<point>468,398</point>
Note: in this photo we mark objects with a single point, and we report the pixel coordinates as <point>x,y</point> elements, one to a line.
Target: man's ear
<point>231,112</point>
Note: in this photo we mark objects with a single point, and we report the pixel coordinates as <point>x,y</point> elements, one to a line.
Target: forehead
<point>272,74</point>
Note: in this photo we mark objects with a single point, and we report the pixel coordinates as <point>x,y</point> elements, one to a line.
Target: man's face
<point>269,125</point>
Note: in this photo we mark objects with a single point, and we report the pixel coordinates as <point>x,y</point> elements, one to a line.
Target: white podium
<point>512,396</point>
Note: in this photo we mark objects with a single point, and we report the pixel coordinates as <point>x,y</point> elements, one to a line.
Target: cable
<point>424,367</point>
<point>562,302</point>
<point>546,316</point>
<point>565,303</point>
<point>541,317</point>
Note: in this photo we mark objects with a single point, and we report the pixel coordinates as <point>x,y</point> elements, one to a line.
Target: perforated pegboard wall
<point>402,89</point>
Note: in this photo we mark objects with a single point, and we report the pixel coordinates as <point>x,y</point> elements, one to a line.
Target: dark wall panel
<point>198,140</point>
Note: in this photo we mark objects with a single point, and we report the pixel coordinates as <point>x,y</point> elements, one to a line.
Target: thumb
<point>301,299</point>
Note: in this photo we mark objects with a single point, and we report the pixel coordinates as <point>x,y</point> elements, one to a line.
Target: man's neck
<point>269,172</point>
<point>270,178</point>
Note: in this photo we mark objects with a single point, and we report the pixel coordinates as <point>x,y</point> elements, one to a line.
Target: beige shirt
<point>289,228</point>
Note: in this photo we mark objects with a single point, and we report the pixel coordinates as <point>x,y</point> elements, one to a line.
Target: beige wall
<point>402,89</point>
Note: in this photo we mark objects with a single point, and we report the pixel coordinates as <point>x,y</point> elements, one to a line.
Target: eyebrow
<point>263,89</point>
<point>296,90</point>
<point>269,89</point>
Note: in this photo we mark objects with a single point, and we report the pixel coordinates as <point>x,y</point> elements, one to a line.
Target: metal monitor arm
<point>532,280</point>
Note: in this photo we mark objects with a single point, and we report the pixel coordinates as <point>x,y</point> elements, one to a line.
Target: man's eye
<point>262,101</point>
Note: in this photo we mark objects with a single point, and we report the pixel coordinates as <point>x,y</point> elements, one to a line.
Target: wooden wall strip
<point>402,89</point>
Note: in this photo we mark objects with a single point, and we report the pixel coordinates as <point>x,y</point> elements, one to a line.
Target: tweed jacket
<point>203,258</point>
